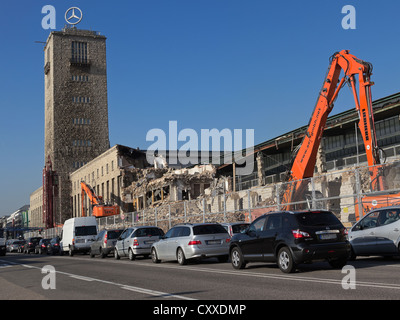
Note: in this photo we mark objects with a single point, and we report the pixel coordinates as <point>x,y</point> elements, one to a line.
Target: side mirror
<point>251,233</point>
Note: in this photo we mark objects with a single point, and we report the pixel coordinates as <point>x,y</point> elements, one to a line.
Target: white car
<point>378,233</point>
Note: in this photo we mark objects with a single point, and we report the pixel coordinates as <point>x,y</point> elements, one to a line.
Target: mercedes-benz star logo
<point>73,15</point>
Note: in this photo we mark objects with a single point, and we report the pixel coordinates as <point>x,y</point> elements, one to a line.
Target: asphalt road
<point>81,277</point>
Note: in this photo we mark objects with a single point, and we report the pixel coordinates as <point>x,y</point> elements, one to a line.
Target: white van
<point>78,234</point>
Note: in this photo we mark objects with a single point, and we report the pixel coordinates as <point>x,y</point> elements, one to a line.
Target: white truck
<point>78,234</point>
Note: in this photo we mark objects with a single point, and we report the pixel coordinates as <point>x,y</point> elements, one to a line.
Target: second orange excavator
<point>98,207</point>
<point>305,158</point>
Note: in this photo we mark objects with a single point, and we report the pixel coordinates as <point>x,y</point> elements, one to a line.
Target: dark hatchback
<point>31,244</point>
<point>291,238</point>
<point>53,247</point>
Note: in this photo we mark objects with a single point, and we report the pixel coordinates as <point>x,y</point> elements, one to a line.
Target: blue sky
<point>233,64</point>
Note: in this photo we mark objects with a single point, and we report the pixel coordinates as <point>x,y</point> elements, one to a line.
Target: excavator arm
<point>304,161</point>
<point>97,204</point>
<point>93,198</point>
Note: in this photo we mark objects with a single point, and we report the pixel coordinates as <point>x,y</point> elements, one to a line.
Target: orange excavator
<point>99,208</point>
<point>305,158</point>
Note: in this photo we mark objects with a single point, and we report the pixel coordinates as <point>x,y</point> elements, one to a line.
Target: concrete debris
<point>159,184</point>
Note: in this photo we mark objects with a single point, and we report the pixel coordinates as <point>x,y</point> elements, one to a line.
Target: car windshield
<point>319,218</point>
<point>114,234</point>
<point>208,229</point>
<point>86,231</point>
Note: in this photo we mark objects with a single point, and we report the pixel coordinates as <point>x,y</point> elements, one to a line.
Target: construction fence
<point>338,191</point>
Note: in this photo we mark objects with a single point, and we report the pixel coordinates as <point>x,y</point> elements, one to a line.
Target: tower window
<point>81,143</point>
<point>81,99</point>
<point>79,52</point>
<point>80,78</point>
<point>81,121</point>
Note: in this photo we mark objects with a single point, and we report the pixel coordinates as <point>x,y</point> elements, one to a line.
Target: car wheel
<point>91,254</point>
<point>285,260</point>
<point>154,257</point>
<point>116,255</point>
<point>180,256</point>
<point>352,255</point>
<point>237,259</point>
<point>131,255</point>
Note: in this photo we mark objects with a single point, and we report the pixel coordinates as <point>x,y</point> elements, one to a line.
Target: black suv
<point>290,238</point>
<point>31,244</point>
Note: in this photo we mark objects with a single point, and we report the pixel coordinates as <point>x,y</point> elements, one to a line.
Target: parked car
<point>378,233</point>
<point>8,243</point>
<point>136,241</point>
<point>13,245</point>
<point>53,247</point>
<point>105,242</point>
<point>41,247</point>
<point>235,227</point>
<point>31,244</point>
<point>78,234</point>
<point>21,246</point>
<point>188,241</point>
<point>292,238</point>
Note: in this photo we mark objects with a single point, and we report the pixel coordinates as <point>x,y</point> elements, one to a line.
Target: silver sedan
<point>189,241</point>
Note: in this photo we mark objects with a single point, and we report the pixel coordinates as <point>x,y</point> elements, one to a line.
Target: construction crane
<point>306,154</point>
<point>99,208</point>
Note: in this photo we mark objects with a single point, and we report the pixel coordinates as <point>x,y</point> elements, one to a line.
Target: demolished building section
<point>104,174</point>
<point>151,187</point>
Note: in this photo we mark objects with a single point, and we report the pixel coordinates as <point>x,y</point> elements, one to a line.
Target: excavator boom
<point>304,161</point>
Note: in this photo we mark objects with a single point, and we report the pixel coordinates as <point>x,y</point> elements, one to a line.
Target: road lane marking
<point>82,278</point>
<point>156,293</point>
<point>271,276</point>
<point>248,273</point>
<point>289,277</point>
<point>122,286</point>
